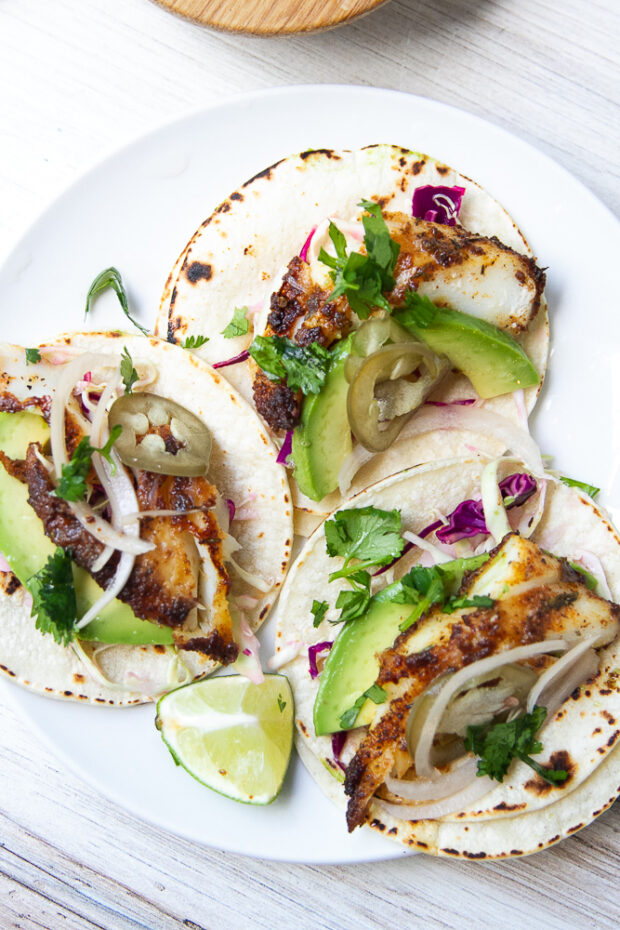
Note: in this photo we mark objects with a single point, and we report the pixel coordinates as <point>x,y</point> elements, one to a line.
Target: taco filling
<point>111,516</point>
<point>369,324</point>
<point>461,653</point>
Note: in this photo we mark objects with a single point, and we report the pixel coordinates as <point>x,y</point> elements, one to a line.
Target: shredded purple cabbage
<point>313,652</point>
<point>338,741</point>
<point>247,652</point>
<point>232,510</point>
<point>468,518</point>
<point>437,204</point>
<point>242,357</point>
<point>304,249</point>
<point>287,448</point>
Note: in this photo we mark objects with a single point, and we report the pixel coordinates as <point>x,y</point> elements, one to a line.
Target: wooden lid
<point>270,17</point>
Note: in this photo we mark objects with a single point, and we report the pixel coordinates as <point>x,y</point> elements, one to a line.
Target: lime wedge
<point>231,735</point>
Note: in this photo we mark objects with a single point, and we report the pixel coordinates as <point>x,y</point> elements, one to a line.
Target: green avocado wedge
<point>352,665</point>
<point>322,440</point>
<point>494,361</point>
<point>26,547</point>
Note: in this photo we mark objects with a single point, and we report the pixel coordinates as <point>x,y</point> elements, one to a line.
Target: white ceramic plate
<point>138,209</point>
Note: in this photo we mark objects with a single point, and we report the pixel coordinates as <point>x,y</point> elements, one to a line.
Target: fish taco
<point>145,525</point>
<point>452,639</point>
<point>378,308</point>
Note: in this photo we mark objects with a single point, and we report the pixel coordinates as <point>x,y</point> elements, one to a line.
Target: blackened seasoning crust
<point>215,646</point>
<point>277,404</point>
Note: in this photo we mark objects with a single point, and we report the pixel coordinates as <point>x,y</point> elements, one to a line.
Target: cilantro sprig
<point>498,744</point>
<point>239,325</point>
<point>370,536</point>
<point>304,367</point>
<point>111,278</point>
<point>375,693</point>
<point>53,597</point>
<point>363,278</point>
<point>72,485</point>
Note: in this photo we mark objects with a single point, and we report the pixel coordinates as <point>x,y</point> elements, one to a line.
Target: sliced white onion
<point>90,520</point>
<point>542,693</point>
<point>477,420</point>
<point>95,672</point>
<point>528,523</point>
<point>423,765</point>
<point>285,655</point>
<point>250,577</point>
<point>434,789</point>
<point>473,419</point>
<point>438,554</point>
<point>519,399</point>
<point>248,662</point>
<point>121,495</point>
<point>495,515</point>
<point>433,809</point>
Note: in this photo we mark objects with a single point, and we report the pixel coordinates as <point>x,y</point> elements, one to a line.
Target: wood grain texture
<point>78,81</point>
<point>271,17</point>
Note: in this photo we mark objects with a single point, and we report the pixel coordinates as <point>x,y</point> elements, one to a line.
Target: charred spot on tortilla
<point>198,271</point>
<point>265,173</point>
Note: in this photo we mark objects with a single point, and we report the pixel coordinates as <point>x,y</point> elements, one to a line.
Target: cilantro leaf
<point>194,342</point>
<point>318,610</point>
<point>72,485</point>
<point>128,372</point>
<point>498,744</point>
<point>572,483</point>
<point>457,603</point>
<point>281,703</point>
<point>354,603</point>
<point>380,246</point>
<point>111,277</point>
<point>238,325</point>
<point>368,534</point>
<point>53,597</point>
<point>418,311</point>
<point>363,278</point>
<point>375,693</point>
<point>32,356</point>
<point>304,367</point>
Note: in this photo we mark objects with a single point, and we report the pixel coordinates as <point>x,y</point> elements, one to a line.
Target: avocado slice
<point>322,440</point>
<point>494,361</point>
<point>352,665</point>
<point>27,548</point>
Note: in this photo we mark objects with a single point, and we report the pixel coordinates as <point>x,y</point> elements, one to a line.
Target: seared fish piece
<point>166,584</point>
<point>475,274</point>
<point>458,269</point>
<point>443,643</point>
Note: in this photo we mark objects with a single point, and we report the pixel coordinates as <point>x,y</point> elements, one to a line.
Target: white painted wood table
<point>77,80</point>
